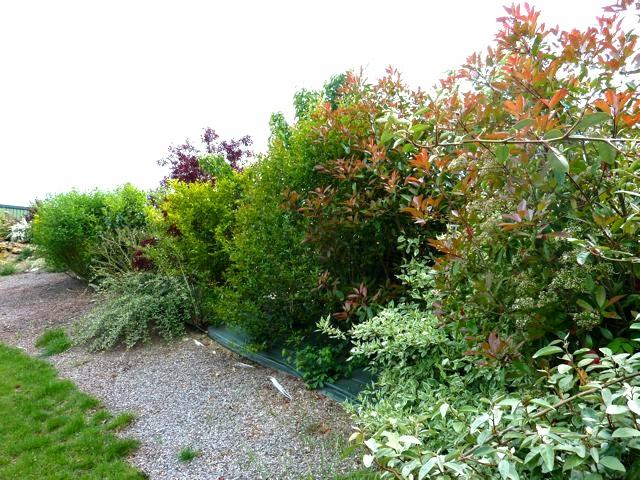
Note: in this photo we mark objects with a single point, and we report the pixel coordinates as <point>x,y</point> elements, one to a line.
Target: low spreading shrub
<point>135,307</point>
<point>68,227</point>
<point>25,253</point>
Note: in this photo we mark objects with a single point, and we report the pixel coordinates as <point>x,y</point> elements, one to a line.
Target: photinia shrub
<point>523,172</point>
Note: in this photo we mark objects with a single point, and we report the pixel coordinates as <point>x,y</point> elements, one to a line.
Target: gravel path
<point>186,394</point>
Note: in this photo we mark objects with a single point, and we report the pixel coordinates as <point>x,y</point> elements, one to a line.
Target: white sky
<point>92,93</point>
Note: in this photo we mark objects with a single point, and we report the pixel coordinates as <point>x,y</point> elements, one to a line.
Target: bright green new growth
<point>50,430</point>
<point>187,454</point>
<point>53,342</point>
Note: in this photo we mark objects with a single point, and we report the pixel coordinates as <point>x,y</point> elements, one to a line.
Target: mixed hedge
<point>475,245</point>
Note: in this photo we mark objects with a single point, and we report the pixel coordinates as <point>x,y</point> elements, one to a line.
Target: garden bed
<point>189,393</point>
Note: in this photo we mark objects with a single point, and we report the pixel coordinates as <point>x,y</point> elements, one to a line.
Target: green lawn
<point>51,430</point>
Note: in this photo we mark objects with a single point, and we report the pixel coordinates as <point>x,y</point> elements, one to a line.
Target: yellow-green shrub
<point>68,226</point>
<point>192,224</point>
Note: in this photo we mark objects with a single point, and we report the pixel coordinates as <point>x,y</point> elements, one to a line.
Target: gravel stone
<point>189,393</point>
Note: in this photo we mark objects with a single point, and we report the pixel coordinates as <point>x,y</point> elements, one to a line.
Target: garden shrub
<point>270,281</point>
<point>193,215</point>
<point>319,361</point>
<point>120,251</point>
<point>188,163</point>
<point>273,277</point>
<point>135,307</point>
<point>523,169</point>
<point>7,269</point>
<point>68,227</point>
<point>192,225</point>
<point>354,210</point>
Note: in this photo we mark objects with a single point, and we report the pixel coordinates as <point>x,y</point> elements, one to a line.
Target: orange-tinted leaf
<point>495,136</point>
<point>559,95</point>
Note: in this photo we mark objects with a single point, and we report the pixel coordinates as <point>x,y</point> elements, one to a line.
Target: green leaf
<point>409,440</point>
<point>593,119</point>
<point>571,462</point>
<point>508,470</point>
<point>627,192</point>
<point>566,383</point>
<point>606,152</point>
<point>612,463</point>
<point>502,153</point>
<point>419,128</point>
<point>634,406</point>
<point>426,468</point>
<point>558,161</point>
<point>478,422</point>
<point>541,402</point>
<point>547,454</point>
<point>553,134</point>
<point>601,296</point>
<point>386,136</point>
<point>585,361</point>
<point>456,467</point>
<point>548,350</point>
<point>606,333</point>
<point>584,305</point>
<point>522,124</point>
<point>626,432</point>
<point>617,409</point>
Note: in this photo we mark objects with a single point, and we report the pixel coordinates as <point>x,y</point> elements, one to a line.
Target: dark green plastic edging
<point>343,390</point>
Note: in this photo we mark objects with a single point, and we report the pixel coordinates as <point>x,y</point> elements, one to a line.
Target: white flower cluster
<point>20,231</point>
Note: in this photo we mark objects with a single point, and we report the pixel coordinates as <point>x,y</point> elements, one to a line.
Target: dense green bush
<point>192,226</point>
<point>135,307</point>
<point>68,227</point>
<point>274,272</point>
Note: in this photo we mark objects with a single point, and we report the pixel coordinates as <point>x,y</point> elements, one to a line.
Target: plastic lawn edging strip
<point>344,390</point>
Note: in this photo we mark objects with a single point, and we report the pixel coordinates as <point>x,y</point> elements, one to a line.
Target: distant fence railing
<point>14,210</point>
